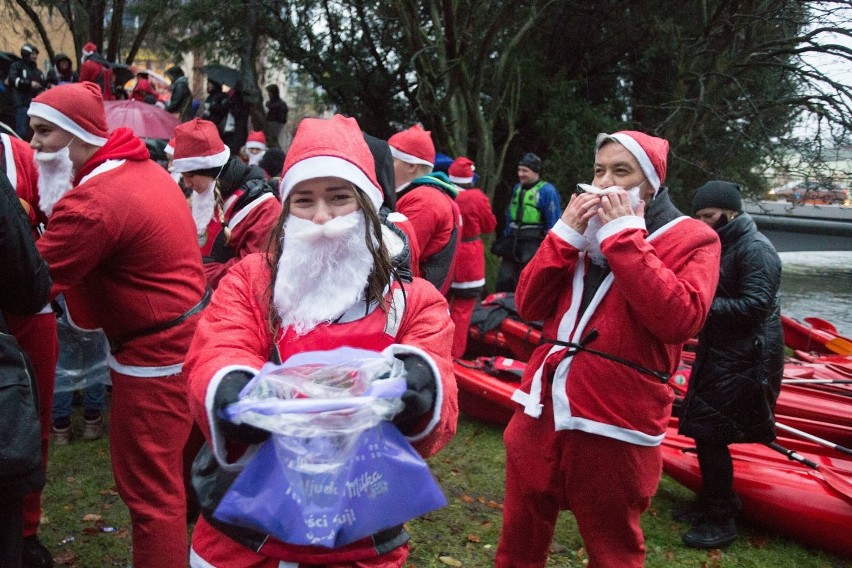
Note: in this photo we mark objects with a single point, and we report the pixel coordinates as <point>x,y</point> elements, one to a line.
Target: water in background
<point>818,284</point>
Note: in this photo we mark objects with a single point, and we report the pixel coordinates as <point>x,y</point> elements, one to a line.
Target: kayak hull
<point>777,493</point>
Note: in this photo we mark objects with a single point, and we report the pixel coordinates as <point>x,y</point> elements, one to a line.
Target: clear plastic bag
<point>334,470</point>
<point>83,355</point>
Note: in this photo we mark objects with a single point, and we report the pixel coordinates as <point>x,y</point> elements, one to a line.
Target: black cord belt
<point>573,348</point>
<point>117,344</point>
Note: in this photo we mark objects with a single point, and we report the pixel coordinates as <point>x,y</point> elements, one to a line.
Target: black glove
<point>419,397</point>
<point>227,393</point>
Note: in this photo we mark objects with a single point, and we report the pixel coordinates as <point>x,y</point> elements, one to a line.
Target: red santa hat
<point>413,146</point>
<point>77,108</point>
<point>461,170</point>
<point>170,147</point>
<point>331,148</point>
<point>90,48</point>
<point>651,152</point>
<point>256,139</point>
<point>198,147</point>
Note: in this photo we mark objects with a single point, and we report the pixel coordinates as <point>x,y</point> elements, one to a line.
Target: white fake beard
<point>322,272</point>
<point>595,223</point>
<point>254,159</point>
<point>55,174</point>
<point>203,204</point>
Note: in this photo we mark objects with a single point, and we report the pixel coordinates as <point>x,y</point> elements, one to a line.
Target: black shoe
<point>690,515</point>
<point>35,555</point>
<point>710,533</point>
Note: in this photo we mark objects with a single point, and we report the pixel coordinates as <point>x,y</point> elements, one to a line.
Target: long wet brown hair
<point>380,277</point>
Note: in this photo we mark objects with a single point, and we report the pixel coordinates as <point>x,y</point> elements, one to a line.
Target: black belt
<point>470,239</point>
<point>117,344</point>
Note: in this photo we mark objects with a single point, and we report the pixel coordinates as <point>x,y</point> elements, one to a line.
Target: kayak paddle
<point>832,478</point>
<point>813,438</point>
<point>840,345</point>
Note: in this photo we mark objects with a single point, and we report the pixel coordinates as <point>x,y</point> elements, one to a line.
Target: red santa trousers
<point>37,337</point>
<point>149,427</point>
<point>461,309</point>
<point>220,551</point>
<point>606,483</point>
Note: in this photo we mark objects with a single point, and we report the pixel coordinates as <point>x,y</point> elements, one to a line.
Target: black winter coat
<point>736,377</point>
<point>24,289</point>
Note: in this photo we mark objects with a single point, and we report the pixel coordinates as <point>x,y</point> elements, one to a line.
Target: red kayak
<point>485,394</point>
<point>784,495</point>
<point>814,336</point>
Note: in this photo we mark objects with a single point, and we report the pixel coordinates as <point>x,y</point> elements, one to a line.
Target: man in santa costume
<point>95,68</point>
<point>327,283</point>
<point>428,201</point>
<point>469,276</point>
<point>120,235</point>
<point>233,207</point>
<point>255,147</point>
<point>621,281</point>
<point>36,334</point>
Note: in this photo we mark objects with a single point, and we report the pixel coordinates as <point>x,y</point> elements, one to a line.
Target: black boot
<point>711,533</point>
<point>35,555</point>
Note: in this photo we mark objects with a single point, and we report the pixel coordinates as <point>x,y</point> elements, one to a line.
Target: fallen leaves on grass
<point>91,517</point>
<point>473,538</point>
<point>65,558</point>
<point>450,561</point>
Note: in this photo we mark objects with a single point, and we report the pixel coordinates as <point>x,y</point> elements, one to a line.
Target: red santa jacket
<point>477,219</point>
<point>436,221</point>
<point>656,296</point>
<point>20,169</point>
<point>250,226</point>
<point>124,237</point>
<point>234,334</point>
<point>100,74</point>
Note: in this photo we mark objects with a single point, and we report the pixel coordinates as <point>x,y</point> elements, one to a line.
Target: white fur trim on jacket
<point>216,438</point>
<point>11,170</point>
<point>243,213</point>
<point>569,235</point>
<point>618,225</point>
<point>400,349</point>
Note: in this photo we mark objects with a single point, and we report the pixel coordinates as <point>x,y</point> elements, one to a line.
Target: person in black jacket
<point>180,99</point>
<point>62,72</point>
<point>26,81</point>
<point>736,377</point>
<point>24,290</point>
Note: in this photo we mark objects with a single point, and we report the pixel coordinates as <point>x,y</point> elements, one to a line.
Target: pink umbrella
<point>145,120</point>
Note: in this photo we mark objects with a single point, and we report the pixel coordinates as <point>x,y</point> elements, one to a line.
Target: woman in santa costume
<point>120,235</point>
<point>327,282</point>
<point>233,207</point>
<point>625,274</point>
<point>469,275</point>
<point>36,334</point>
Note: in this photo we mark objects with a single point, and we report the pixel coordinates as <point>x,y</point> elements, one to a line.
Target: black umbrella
<point>222,74</point>
<point>121,72</point>
<point>8,56</point>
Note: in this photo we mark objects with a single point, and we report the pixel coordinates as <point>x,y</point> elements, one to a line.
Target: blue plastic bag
<point>334,470</point>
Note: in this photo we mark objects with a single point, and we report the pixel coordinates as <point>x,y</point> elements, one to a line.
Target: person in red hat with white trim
<point>469,276</point>
<point>428,201</point>
<point>96,69</point>
<point>328,282</point>
<point>255,147</point>
<point>621,282</point>
<point>37,335</point>
<point>119,235</point>
<point>233,207</point>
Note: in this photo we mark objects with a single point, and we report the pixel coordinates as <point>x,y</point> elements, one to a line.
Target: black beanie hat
<point>273,161</point>
<point>531,161</point>
<point>721,194</point>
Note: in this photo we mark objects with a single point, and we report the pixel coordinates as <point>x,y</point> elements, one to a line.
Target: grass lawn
<point>86,525</point>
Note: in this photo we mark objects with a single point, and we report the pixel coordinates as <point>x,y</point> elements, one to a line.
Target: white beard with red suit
<point>55,173</point>
<point>323,270</point>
